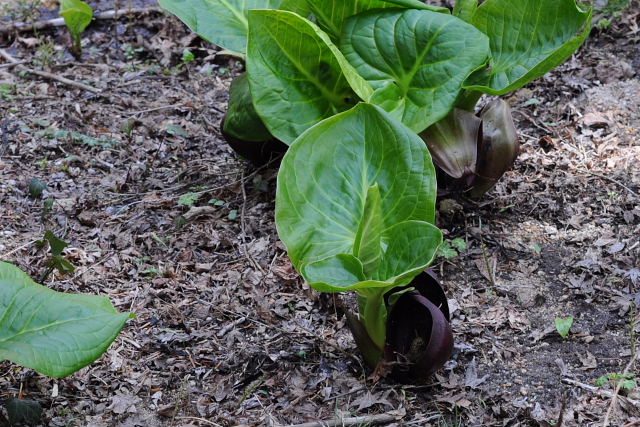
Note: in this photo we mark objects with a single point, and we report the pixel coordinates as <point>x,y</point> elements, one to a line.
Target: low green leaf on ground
<point>53,333</point>
<point>188,199</point>
<point>563,325</point>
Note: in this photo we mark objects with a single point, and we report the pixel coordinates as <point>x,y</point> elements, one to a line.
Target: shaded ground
<point>163,218</point>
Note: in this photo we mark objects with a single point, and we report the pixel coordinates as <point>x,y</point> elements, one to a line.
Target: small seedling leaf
<point>459,244</point>
<point>628,384</point>
<point>187,56</point>
<point>188,199</point>
<point>563,325</point>
<point>57,245</point>
<point>61,264</point>
<point>36,188</point>
<point>77,16</point>
<point>601,381</point>
<point>176,130</point>
<point>446,251</point>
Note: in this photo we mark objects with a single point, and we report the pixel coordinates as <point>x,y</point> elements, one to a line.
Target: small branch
<point>605,423</point>
<point>351,421</point>
<point>12,64</point>
<point>610,180</point>
<point>222,332</point>
<point>598,391</point>
<point>46,75</point>
<point>59,22</point>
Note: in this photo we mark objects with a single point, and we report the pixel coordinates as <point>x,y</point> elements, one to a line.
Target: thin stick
<point>612,405</point>
<point>222,332</point>
<point>351,421</point>
<point>598,391</point>
<point>202,420</point>
<point>59,22</point>
<point>11,252</point>
<point>12,64</point>
<point>611,180</point>
<point>244,230</point>
<point>49,76</point>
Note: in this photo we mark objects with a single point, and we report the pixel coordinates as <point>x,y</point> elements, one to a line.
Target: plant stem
<point>373,313</point>
<point>468,100</point>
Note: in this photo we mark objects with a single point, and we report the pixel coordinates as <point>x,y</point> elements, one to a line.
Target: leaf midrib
<point>334,99</point>
<point>50,325</point>
<point>238,14</point>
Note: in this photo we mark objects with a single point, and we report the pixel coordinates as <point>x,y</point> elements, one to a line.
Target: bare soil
<point>167,221</point>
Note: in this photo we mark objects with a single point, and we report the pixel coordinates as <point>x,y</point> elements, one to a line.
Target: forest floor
<point>163,218</point>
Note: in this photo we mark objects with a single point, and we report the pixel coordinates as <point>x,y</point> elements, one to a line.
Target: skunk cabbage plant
<point>77,16</point>
<point>309,60</point>
<point>355,91</point>
<point>53,333</point>
<point>355,209</point>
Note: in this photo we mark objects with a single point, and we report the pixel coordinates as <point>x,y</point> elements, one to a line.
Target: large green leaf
<point>346,180</point>
<point>51,332</point>
<point>417,4</point>
<point>528,39</point>
<point>222,22</point>
<point>296,75</point>
<point>411,247</point>
<point>331,14</point>
<point>242,121</point>
<point>416,60</point>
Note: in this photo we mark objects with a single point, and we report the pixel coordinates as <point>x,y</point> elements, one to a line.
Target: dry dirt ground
<point>167,221</point>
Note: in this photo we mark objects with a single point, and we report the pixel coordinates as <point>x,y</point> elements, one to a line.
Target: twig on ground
<point>351,421</point>
<point>612,405</point>
<point>222,332</point>
<point>59,22</point>
<point>19,248</point>
<point>598,391</point>
<point>12,64</point>
<point>618,183</point>
<point>245,249</point>
<point>47,75</point>
<point>202,420</point>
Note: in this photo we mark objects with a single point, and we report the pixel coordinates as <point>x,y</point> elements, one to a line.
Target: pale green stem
<point>373,313</point>
<point>468,100</point>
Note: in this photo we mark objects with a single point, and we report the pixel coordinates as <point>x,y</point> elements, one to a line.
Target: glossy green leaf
<point>528,39</point>
<point>327,198</point>
<point>410,247</point>
<point>417,4</point>
<point>222,22</point>
<point>331,14</point>
<point>416,60</point>
<point>301,7</point>
<point>465,9</point>
<point>296,75</point>
<point>242,121</point>
<point>77,16</point>
<point>53,333</point>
